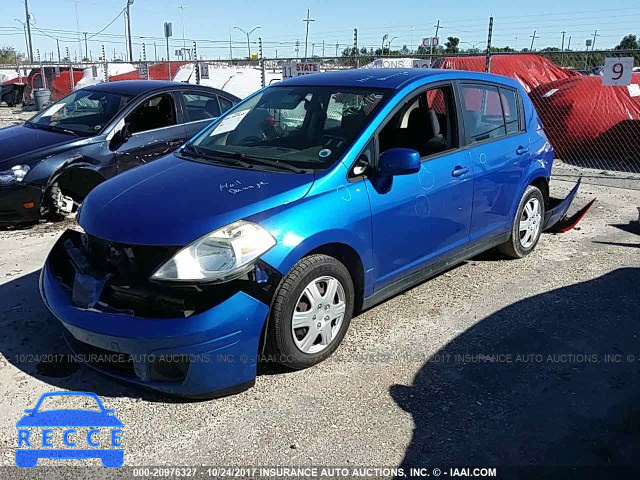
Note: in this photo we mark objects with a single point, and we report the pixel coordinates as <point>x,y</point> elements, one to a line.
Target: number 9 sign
<point>617,71</point>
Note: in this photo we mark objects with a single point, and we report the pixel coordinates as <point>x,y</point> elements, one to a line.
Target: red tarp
<point>61,85</point>
<point>585,120</point>
<point>531,70</point>
<point>157,71</point>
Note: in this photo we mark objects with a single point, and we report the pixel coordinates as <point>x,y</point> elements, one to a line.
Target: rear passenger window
<point>225,104</point>
<point>482,112</point>
<point>200,106</point>
<point>511,110</point>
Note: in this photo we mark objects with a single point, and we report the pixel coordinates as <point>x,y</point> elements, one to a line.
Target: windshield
<point>301,126</point>
<point>84,112</point>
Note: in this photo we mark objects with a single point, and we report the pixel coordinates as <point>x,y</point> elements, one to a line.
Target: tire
<point>522,243</point>
<point>316,337</point>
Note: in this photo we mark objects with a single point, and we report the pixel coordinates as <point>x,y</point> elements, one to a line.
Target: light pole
<point>26,40</point>
<point>182,6</point>
<point>129,3</point>
<point>248,34</point>
<point>390,41</point>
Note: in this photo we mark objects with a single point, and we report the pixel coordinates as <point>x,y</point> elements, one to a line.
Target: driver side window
<point>427,123</point>
<point>156,112</point>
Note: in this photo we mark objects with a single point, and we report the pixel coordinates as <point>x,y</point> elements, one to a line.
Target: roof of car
<point>136,87</point>
<point>394,78</point>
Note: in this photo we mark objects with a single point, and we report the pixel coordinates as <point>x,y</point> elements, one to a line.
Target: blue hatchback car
<point>308,202</point>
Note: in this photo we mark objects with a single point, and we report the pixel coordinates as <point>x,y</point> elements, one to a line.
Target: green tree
<point>629,42</point>
<point>8,55</point>
<point>451,45</point>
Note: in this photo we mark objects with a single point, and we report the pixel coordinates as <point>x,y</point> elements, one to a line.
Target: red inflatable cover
<point>531,70</point>
<point>585,120</point>
<point>61,86</point>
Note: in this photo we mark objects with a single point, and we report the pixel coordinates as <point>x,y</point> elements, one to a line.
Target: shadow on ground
<point>562,402</point>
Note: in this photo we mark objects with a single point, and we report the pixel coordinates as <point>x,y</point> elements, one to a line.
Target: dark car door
<point>421,217</point>
<point>155,131</point>
<point>199,108</point>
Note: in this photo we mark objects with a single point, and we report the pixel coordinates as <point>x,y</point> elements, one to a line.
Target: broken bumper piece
<point>202,342</point>
<point>556,219</point>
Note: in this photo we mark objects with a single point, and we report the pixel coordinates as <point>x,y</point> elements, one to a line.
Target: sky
<point>406,22</point>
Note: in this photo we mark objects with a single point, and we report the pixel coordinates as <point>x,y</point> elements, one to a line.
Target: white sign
<point>430,42</point>
<point>204,70</point>
<point>617,71</point>
<point>297,69</point>
<point>421,64</point>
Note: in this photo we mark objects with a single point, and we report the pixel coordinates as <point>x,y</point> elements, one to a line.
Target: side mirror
<point>398,161</point>
<point>119,135</point>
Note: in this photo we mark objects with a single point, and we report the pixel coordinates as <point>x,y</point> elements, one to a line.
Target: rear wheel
<point>527,226</point>
<point>311,312</point>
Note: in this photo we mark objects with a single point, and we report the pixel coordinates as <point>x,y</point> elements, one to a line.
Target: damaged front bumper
<point>556,219</point>
<point>194,341</point>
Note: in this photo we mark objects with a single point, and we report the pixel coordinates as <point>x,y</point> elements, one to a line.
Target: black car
<point>50,163</point>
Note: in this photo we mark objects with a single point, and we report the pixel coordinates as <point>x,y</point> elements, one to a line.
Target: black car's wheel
<point>311,312</point>
<point>527,225</point>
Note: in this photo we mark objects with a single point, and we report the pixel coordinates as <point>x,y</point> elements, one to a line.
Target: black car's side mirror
<point>120,137</point>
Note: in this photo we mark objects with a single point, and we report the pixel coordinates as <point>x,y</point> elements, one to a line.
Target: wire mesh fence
<point>588,123</point>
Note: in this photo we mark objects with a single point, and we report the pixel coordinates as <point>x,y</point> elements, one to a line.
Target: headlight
<point>221,255</point>
<point>14,174</point>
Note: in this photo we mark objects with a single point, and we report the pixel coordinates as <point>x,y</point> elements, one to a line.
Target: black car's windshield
<point>84,112</point>
<point>300,126</point>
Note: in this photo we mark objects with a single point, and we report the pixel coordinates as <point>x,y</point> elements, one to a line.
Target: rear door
<point>200,108</point>
<point>154,129</point>
<point>499,149</point>
<point>425,216</point>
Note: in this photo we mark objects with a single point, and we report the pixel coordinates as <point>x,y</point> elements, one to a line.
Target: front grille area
<point>115,362</point>
<point>127,269</point>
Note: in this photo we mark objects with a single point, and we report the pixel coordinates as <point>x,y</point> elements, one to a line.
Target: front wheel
<point>311,312</point>
<point>527,226</point>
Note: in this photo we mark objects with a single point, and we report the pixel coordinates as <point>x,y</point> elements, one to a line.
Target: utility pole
<point>384,37</point>
<point>533,39</point>
<point>58,45</point>
<point>248,34</point>
<point>562,49</point>
<point>593,45</point>
<point>168,32</point>
<point>86,46</point>
<point>26,12</point>
<point>337,49</point>
<point>155,51</point>
<point>323,48</point>
<point>569,44</point>
<point>230,48</point>
<point>297,49</point>
<point>438,27</point>
<point>489,36</point>
<point>313,49</point>
<point>308,20</point>
<point>129,3</point>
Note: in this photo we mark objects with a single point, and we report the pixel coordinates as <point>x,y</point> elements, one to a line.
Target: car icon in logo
<point>36,435</point>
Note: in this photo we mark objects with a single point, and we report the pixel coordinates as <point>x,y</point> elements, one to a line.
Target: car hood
<point>20,139</point>
<point>69,418</point>
<point>173,201</point>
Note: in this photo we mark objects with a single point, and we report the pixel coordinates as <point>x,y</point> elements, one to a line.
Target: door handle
<point>522,150</point>
<point>459,171</point>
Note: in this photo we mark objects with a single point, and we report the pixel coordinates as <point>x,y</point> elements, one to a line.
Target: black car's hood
<point>19,140</point>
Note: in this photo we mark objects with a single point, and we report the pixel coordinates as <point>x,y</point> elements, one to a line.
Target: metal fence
<point>589,124</point>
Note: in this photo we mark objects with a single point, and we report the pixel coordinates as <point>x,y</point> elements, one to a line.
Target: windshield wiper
<point>264,161</point>
<point>53,128</point>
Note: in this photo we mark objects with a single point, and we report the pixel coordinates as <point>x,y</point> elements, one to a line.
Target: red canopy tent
<point>531,70</point>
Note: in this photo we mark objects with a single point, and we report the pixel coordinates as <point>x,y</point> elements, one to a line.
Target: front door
<point>154,132</point>
<point>421,217</point>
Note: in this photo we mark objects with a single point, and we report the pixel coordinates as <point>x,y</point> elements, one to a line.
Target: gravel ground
<point>399,389</point>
